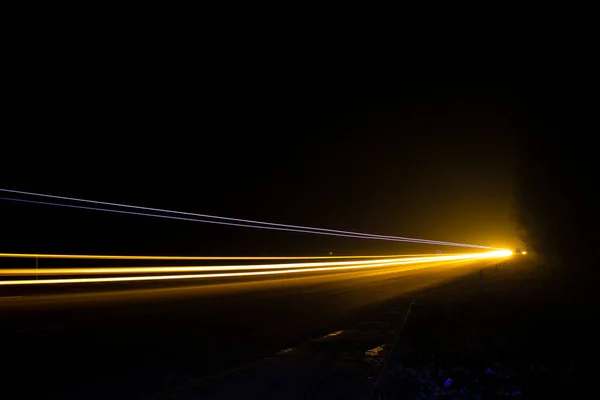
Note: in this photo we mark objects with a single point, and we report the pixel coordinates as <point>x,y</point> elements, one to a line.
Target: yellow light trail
<point>171,277</point>
<point>280,269</point>
<point>208,268</point>
<point>112,257</point>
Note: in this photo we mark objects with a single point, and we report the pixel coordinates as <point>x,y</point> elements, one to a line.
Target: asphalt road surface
<point>137,340</point>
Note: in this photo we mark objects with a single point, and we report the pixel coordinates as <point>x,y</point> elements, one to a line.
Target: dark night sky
<point>410,150</point>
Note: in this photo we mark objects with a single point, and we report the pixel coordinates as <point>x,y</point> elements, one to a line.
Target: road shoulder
<point>341,364</point>
<point>506,332</point>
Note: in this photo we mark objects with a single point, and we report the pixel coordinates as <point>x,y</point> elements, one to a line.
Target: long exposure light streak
<point>350,235</point>
<point>210,268</point>
<point>218,222</point>
<point>305,229</point>
<point>113,257</point>
<point>278,269</point>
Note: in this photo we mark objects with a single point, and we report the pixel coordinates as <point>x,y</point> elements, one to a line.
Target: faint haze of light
<point>238,219</point>
<point>277,227</point>
<point>357,265</point>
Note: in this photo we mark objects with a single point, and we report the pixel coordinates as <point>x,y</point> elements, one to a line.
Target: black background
<point>424,145</point>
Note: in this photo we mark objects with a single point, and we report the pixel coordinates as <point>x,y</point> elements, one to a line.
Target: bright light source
<point>524,252</point>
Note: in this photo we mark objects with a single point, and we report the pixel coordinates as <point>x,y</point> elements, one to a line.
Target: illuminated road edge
<point>275,269</point>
